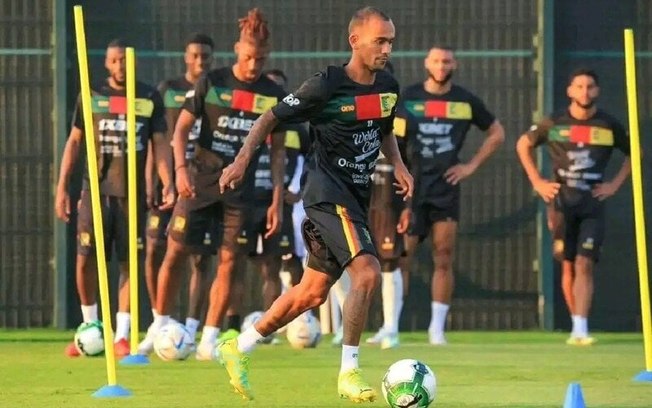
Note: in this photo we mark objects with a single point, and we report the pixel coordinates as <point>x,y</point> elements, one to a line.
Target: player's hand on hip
<point>602,191</point>
<point>404,221</point>
<point>291,198</point>
<point>404,181</point>
<point>232,175</point>
<point>546,189</point>
<point>458,173</point>
<point>274,220</point>
<point>168,198</point>
<point>62,205</point>
<point>184,184</point>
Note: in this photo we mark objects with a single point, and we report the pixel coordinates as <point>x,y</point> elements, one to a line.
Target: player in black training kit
<point>198,58</point>
<point>350,109</point>
<point>581,140</point>
<point>433,119</point>
<point>228,100</point>
<point>110,124</point>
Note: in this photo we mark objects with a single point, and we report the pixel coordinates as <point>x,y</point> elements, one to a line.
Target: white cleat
<point>206,352</point>
<point>146,347</point>
<point>378,337</point>
<point>390,341</point>
<point>437,339</point>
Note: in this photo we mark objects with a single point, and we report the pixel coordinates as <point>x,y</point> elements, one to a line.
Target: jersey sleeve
<point>621,138</point>
<point>481,117</point>
<point>389,124</point>
<point>538,132</point>
<point>157,121</point>
<point>305,102</point>
<point>78,115</point>
<point>195,97</point>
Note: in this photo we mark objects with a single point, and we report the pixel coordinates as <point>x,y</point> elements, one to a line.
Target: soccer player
<point>269,254</point>
<point>350,109</point>
<point>228,100</point>
<point>434,118</point>
<point>110,124</point>
<point>581,139</point>
<point>198,58</point>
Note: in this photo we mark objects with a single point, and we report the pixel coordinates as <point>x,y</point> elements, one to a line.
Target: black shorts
<point>425,215</point>
<point>206,228</point>
<point>157,232</point>
<point>255,227</point>
<point>115,226</point>
<point>389,243</point>
<point>334,236</point>
<point>584,227</point>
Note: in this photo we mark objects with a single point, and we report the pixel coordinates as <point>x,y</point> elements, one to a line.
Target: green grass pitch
<point>477,369</point>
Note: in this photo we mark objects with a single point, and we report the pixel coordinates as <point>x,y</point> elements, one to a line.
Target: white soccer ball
<point>89,338</point>
<point>250,320</point>
<point>304,331</point>
<point>409,383</point>
<point>173,342</point>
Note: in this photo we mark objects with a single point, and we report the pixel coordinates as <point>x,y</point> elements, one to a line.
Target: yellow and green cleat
<point>228,335</point>
<point>581,341</point>
<point>237,365</point>
<point>350,385</point>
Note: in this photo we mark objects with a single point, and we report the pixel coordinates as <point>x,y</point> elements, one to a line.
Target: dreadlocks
<point>253,28</point>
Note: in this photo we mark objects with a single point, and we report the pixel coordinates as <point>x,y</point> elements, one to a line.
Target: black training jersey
<point>227,108</point>
<point>110,125</point>
<point>297,143</point>
<point>580,149</point>
<point>434,128</point>
<point>173,92</point>
<point>347,123</point>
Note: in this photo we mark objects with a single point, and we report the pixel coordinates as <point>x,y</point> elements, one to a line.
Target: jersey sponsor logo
<point>575,175</point>
<point>434,128</point>
<point>117,125</point>
<point>440,109</point>
<point>234,123</point>
<point>580,160</point>
<point>347,108</point>
<point>444,144</point>
<point>238,99</point>
<point>589,135</point>
<point>118,105</point>
<point>291,100</point>
<point>369,142</point>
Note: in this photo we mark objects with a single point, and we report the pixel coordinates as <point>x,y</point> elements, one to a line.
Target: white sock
<point>349,358</point>
<point>209,335</point>
<point>438,319</point>
<point>248,339</point>
<point>191,326</point>
<point>123,323</point>
<point>392,290</point>
<point>154,313</point>
<point>159,322</point>
<point>580,326</point>
<point>89,312</point>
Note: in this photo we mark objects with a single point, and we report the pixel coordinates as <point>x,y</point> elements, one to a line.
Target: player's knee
<point>443,258</point>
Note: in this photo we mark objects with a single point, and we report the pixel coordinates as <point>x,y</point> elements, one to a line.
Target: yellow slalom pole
<point>93,177</point>
<point>132,197</point>
<point>637,184</point>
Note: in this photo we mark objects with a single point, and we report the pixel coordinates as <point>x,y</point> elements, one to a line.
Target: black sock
<point>233,322</point>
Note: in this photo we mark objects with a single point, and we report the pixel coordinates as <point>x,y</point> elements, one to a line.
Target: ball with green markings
<point>409,384</point>
<point>89,338</point>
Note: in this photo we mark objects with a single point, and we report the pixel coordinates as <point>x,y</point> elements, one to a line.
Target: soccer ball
<point>304,331</point>
<point>250,320</point>
<point>173,342</point>
<point>409,384</point>
<point>89,338</point>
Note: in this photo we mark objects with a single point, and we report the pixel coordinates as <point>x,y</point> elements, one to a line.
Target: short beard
<point>585,106</point>
<point>446,79</point>
<point>120,83</point>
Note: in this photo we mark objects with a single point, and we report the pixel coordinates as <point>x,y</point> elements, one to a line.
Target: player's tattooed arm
<point>70,155</point>
<point>274,212</point>
<point>234,172</point>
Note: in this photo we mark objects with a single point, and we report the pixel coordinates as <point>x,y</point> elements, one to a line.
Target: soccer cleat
<point>378,337</point>
<point>146,347</point>
<point>437,339</point>
<point>121,348</point>
<point>350,385</point>
<point>237,365</point>
<point>390,341</point>
<point>71,350</point>
<point>339,336</point>
<point>581,341</point>
<point>205,352</point>
<point>228,335</point>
